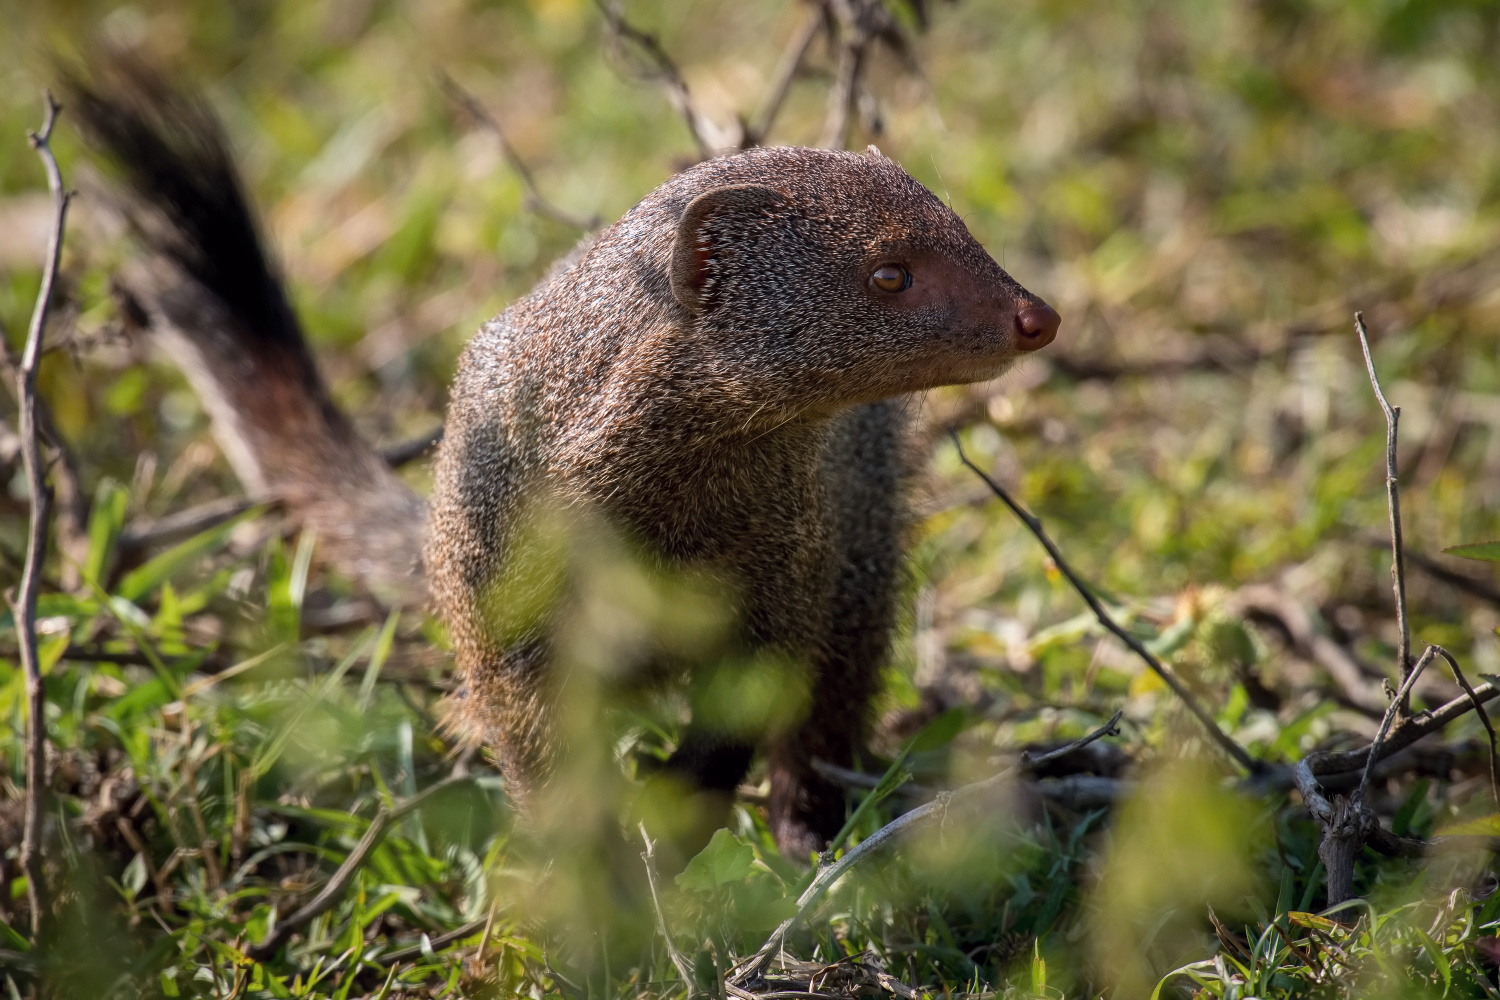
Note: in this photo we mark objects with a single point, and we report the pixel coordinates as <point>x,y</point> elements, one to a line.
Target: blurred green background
<point>1205,191</point>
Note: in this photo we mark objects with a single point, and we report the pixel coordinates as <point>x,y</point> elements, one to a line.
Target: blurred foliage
<point>1205,191</point>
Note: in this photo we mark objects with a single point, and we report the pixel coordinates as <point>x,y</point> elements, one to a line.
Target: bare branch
<point>24,606</point>
<point>1077,792</point>
<point>1393,504</point>
<point>660,68</point>
<point>340,880</point>
<point>1347,823</point>
<point>786,73</point>
<point>852,44</point>
<point>1229,746</point>
<point>138,537</point>
<point>533,198</point>
<point>439,940</point>
<point>70,508</point>
<point>753,967</point>
<point>1405,732</point>
<point>1385,723</point>
<point>1484,719</point>
<point>1110,728</point>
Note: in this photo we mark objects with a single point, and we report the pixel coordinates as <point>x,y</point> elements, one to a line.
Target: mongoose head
<point>854,277</point>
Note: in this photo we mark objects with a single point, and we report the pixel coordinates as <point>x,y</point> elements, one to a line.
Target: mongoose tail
<point>208,291</point>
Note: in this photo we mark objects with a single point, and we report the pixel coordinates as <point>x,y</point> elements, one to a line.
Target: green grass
<point>1205,191</point>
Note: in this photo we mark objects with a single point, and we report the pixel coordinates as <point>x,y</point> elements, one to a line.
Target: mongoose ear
<point>692,248</point>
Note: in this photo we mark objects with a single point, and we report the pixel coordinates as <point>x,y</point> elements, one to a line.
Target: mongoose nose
<point>1037,325</point>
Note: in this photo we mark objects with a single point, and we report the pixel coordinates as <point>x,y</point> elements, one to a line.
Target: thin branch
<point>753,967</point>
<point>24,606</point>
<point>853,41</point>
<point>1393,504</point>
<point>1484,719</point>
<point>786,73</point>
<point>1110,728</point>
<point>1406,732</point>
<point>1310,640</point>
<point>1229,746</point>
<point>1075,792</point>
<point>684,967</point>
<point>1385,723</point>
<point>334,889</point>
<point>137,538</point>
<point>439,940</point>
<point>70,508</point>
<point>533,197</point>
<point>707,136</point>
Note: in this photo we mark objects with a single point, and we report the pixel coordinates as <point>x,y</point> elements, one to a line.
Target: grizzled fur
<point>713,376</point>
<point>741,422</point>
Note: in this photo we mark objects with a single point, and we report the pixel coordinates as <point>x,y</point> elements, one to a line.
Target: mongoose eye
<point>891,278</point>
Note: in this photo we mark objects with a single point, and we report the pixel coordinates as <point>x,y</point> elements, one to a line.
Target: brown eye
<point>891,278</point>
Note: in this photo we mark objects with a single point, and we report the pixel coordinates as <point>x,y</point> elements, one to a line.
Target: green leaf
<point>277,986</point>
<point>12,938</point>
<point>1038,968</point>
<point>140,582</point>
<point>726,859</point>
<point>1439,960</point>
<point>133,878</point>
<point>1284,893</point>
<point>377,658</point>
<point>1488,551</point>
<point>273,747</point>
<point>106,520</point>
<point>1482,826</point>
<point>939,732</point>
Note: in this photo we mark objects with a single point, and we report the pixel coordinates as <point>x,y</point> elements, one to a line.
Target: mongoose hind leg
<point>807,810</point>
<point>699,782</point>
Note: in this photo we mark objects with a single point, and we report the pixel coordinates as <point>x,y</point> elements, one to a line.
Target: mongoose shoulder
<point>722,376</point>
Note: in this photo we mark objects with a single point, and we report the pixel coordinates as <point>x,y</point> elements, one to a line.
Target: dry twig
<point>707,135</point>
<point>1484,719</point>
<point>1229,746</point>
<point>533,197</point>
<point>752,968</point>
<point>1393,504</point>
<point>24,605</point>
<point>786,73</point>
<point>70,505</point>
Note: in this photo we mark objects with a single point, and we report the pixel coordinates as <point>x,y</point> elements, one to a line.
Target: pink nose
<point>1036,326</point>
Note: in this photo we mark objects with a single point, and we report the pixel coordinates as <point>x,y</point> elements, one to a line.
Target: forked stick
<point>24,605</point>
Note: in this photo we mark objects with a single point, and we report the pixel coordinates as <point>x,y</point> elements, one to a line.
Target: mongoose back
<point>720,376</point>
